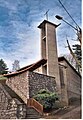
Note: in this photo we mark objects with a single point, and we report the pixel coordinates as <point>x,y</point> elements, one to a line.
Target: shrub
<point>46,98</point>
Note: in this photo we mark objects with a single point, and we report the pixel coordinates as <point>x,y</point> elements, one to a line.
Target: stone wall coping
<point>43,74</point>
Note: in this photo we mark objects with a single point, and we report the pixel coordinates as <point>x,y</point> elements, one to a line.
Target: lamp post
<point>79,31</point>
<point>61,18</point>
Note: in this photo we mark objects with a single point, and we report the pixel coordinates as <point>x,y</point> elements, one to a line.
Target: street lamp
<point>79,31</point>
<point>61,18</point>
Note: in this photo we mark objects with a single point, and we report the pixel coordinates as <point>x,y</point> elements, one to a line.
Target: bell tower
<point>49,50</point>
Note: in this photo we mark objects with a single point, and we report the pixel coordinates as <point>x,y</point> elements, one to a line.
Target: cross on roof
<point>46,13</point>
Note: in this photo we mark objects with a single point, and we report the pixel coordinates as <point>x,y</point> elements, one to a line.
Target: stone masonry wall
<point>6,109</point>
<point>39,81</point>
<point>11,107</point>
<point>19,84</point>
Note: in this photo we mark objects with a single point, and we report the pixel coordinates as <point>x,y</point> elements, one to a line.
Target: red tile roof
<point>36,65</point>
<point>31,67</point>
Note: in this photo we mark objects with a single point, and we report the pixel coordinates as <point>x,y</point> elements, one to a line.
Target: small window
<point>45,69</point>
<point>61,77</point>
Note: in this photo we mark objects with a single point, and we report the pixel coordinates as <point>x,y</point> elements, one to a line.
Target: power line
<point>68,13</point>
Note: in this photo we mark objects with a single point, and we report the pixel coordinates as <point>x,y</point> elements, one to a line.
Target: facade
<point>50,73</point>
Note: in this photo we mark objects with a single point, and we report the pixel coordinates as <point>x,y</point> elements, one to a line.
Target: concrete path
<point>73,114</point>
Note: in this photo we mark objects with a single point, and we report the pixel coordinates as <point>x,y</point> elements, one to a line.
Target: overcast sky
<point>19,35</point>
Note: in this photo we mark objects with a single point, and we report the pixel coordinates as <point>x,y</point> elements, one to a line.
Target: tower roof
<point>45,21</point>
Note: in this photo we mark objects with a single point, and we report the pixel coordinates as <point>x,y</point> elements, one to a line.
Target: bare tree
<point>16,66</point>
<point>70,59</point>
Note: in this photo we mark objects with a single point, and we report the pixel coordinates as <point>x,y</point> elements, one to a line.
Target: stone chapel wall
<point>39,81</point>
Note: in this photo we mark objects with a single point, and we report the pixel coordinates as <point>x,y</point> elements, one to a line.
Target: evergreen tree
<point>78,54</point>
<point>3,67</point>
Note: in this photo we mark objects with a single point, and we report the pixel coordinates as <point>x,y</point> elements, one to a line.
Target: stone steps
<point>32,113</point>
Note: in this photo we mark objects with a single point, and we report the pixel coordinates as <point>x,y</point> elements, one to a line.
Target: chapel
<point>51,72</point>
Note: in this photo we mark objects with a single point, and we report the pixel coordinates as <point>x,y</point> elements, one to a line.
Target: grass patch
<point>2,78</point>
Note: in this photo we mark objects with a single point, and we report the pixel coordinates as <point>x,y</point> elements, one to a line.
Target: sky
<point>19,35</point>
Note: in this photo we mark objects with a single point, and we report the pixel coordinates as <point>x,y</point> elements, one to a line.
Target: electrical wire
<point>68,13</point>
